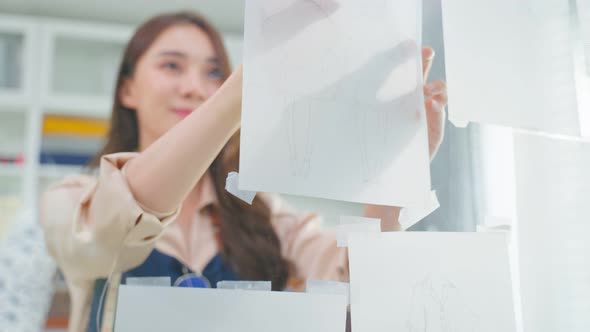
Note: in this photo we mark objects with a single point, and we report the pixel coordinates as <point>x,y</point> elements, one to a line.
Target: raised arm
<point>164,174</point>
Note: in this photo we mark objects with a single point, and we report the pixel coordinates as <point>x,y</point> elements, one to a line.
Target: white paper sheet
<point>553,191</point>
<point>349,224</point>
<point>511,63</point>
<point>328,287</point>
<point>356,220</point>
<point>149,281</point>
<point>232,183</point>
<point>584,19</point>
<point>408,216</point>
<point>156,309</point>
<point>245,285</point>
<point>430,281</point>
<point>581,52</point>
<point>507,225</point>
<point>333,104</point>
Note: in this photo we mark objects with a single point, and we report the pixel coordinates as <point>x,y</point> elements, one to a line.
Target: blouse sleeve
<point>311,249</point>
<point>94,226</point>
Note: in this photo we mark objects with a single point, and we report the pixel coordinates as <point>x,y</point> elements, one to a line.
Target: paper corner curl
<point>410,216</point>
<point>232,185</point>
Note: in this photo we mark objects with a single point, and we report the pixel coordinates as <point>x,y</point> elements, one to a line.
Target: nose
<point>193,86</point>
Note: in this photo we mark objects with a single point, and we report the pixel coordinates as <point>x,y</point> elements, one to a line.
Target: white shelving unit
<point>16,59</point>
<point>17,68</point>
<point>80,61</point>
<point>59,67</point>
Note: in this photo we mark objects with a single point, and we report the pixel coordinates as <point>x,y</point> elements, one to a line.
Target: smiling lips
<point>183,112</point>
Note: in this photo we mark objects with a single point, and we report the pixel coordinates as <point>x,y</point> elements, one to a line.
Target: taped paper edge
<point>232,184</point>
<point>409,216</point>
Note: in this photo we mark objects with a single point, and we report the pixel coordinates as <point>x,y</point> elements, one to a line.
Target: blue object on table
<point>192,280</point>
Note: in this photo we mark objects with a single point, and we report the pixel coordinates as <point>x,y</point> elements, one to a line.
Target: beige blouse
<point>94,226</point>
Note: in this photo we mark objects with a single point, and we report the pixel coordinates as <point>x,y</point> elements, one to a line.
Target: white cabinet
<point>17,67</point>
<point>80,62</point>
<point>12,136</point>
<point>16,58</point>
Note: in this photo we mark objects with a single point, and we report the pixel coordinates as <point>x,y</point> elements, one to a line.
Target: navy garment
<point>160,265</point>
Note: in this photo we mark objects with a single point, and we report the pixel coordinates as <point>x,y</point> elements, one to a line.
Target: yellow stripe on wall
<point>69,125</point>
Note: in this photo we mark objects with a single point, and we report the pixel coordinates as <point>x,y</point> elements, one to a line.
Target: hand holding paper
<point>336,110</point>
<point>435,94</point>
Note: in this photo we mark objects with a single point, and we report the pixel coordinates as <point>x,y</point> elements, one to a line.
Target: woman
<point>158,206</point>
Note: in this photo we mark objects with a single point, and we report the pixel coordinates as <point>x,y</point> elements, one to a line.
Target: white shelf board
<point>99,107</point>
<point>88,31</point>
<point>11,108</point>
<point>27,27</point>
<point>16,23</point>
<point>73,103</point>
<point>58,171</point>
<point>11,170</point>
<point>13,98</point>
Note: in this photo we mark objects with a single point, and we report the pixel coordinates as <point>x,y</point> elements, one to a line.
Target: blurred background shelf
<point>80,64</point>
<point>70,104</point>
<point>16,44</point>
<point>54,172</point>
<point>11,47</point>
<point>10,170</point>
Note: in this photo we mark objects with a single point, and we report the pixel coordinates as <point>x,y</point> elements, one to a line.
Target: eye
<point>172,66</point>
<point>216,73</point>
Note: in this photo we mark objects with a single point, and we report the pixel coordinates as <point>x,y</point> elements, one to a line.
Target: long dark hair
<point>247,238</point>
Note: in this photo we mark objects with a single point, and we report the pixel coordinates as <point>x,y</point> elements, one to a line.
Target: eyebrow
<point>212,60</point>
<point>172,53</point>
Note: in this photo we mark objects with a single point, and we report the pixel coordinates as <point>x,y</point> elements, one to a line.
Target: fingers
<point>435,87</point>
<point>427,58</point>
<point>435,117</point>
<point>434,107</point>
<point>437,90</point>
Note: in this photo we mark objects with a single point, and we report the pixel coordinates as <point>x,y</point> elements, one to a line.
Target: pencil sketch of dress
<point>299,111</point>
<point>437,306</point>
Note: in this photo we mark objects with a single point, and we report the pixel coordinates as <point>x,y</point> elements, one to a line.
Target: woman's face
<point>177,73</point>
